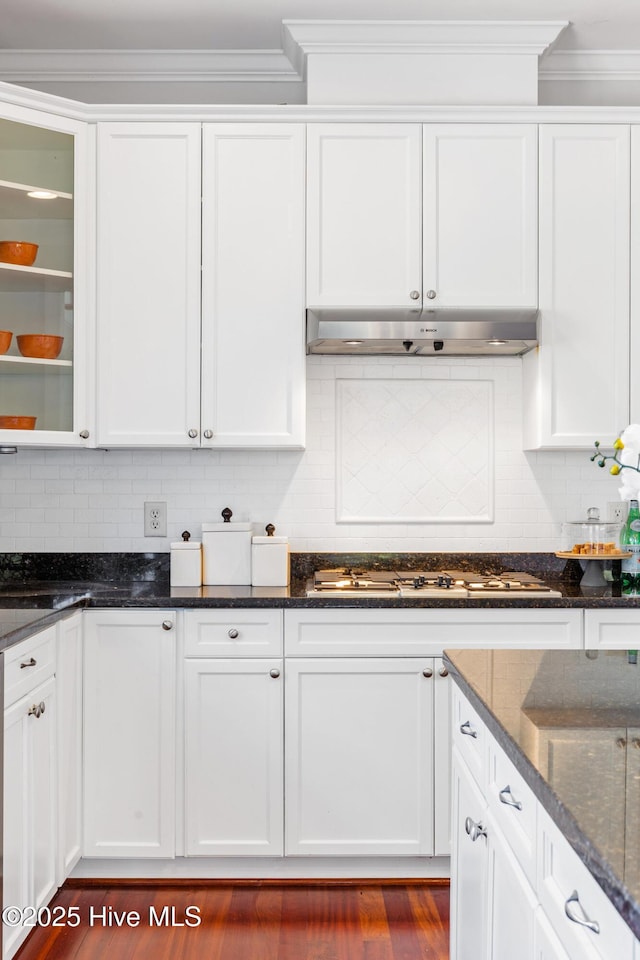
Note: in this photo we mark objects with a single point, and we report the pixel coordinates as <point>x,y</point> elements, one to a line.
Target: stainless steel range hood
<point>442,332</point>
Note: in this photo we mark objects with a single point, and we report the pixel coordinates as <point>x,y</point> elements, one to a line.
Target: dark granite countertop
<point>583,704</point>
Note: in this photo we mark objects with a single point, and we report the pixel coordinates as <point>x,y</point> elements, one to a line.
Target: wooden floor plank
<point>252,920</point>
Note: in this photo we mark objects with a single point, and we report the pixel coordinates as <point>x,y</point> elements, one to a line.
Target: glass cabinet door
<point>39,386</point>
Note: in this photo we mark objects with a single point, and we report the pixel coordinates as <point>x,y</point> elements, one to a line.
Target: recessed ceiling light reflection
<point>42,194</point>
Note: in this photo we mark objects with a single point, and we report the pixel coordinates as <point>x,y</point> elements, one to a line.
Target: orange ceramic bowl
<point>5,340</point>
<point>42,346</point>
<point>18,251</point>
<point>17,423</point>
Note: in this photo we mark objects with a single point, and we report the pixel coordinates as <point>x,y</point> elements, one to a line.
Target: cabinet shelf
<point>24,365</point>
<point>15,204</point>
<point>17,279</point>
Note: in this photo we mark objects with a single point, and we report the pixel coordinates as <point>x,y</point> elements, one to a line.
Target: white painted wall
<point>92,500</point>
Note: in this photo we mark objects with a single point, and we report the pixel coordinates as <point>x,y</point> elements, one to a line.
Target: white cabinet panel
<point>69,742</point>
<point>441,760</point>
<point>148,281</point>
<point>359,756</point>
<point>512,903</point>
<point>480,214</point>
<point>30,806</point>
<point>364,214</point>
<point>584,289</point>
<point>612,629</point>
<point>233,757</point>
<point>469,894</point>
<point>129,725</point>
<point>253,339</point>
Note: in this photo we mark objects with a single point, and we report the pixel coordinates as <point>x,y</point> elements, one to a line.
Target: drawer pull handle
<point>507,797</point>
<point>36,710</point>
<point>28,663</point>
<point>468,730</point>
<point>573,909</point>
<point>233,634</point>
<point>474,830</point>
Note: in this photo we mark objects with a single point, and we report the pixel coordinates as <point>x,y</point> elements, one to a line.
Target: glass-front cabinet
<point>44,315</point>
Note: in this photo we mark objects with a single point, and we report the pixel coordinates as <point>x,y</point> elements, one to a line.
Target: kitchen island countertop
<point>588,702</point>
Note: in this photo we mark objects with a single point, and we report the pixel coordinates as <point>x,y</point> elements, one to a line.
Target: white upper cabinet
<point>148,284</point>
<point>480,215</point>
<point>634,400</point>
<point>576,384</point>
<point>363,214</point>
<point>253,346</point>
<point>400,215</point>
<point>44,200</point>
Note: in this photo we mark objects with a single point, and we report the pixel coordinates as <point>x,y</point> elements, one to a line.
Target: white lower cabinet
<point>359,756</point>
<point>130,729</point>
<point>233,757</point>
<point>517,887</point>
<point>30,807</point>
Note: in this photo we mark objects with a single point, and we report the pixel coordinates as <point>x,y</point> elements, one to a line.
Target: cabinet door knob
<point>468,730</point>
<point>415,294</point>
<point>621,742</point>
<point>573,909</point>
<point>84,434</point>
<point>428,672</point>
<point>167,624</point>
<point>443,672</point>
<point>208,434</point>
<point>474,830</point>
<point>233,633</point>
<point>28,663</point>
<point>192,433</point>
<point>431,294</point>
<point>507,797</point>
<point>274,674</point>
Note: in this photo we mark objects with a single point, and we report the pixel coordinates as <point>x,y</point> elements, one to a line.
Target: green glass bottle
<point>630,543</point>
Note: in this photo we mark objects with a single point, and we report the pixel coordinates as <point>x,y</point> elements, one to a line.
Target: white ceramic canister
<point>270,560</point>
<point>186,562</point>
<point>226,552</point>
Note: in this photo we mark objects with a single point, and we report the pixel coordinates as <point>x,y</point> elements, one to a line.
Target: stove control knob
<point>428,673</point>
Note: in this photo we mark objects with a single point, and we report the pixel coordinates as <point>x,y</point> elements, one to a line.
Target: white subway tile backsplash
<point>92,500</point>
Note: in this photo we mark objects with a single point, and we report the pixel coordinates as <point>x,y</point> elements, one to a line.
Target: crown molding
<point>130,66</point>
<point>411,37</point>
<point>577,64</point>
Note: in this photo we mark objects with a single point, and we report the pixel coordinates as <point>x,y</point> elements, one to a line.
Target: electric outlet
<point>155,518</point>
<point>616,511</point>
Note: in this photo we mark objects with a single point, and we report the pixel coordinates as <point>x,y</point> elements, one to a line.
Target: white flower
<point>629,456</point>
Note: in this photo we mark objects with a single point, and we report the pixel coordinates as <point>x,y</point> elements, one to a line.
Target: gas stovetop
<point>351,582</point>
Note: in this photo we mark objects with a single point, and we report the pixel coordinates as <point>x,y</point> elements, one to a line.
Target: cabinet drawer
<point>514,808</point>
<point>233,633</point>
<point>29,663</point>
<point>612,629</point>
<point>469,735</point>
<point>562,876</point>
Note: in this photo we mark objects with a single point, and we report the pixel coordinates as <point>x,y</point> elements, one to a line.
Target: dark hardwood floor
<point>248,920</point>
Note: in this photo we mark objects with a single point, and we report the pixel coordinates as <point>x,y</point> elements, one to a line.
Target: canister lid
<point>269,540</point>
<point>226,527</point>
<point>186,543</point>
